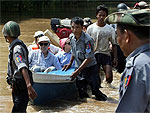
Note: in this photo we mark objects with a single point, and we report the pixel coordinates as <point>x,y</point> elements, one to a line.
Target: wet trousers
<point>20,100</point>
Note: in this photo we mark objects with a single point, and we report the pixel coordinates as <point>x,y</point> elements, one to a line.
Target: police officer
<point>133,27</point>
<point>18,73</point>
<point>85,62</point>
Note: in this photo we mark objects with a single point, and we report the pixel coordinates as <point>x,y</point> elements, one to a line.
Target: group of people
<point>87,51</point>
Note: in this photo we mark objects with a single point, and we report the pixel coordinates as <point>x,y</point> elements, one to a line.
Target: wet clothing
<point>19,60</point>
<point>20,100</point>
<point>134,88</point>
<point>64,58</point>
<point>102,36</point>
<point>83,49</point>
<point>103,59</point>
<point>36,58</point>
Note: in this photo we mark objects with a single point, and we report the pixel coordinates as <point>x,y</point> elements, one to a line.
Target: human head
<point>87,22</point>
<point>101,14</point>
<point>37,35</point>
<point>77,26</point>
<point>65,44</point>
<point>11,29</point>
<point>132,26</point>
<point>44,43</point>
<point>103,8</point>
<point>121,7</point>
<point>77,20</point>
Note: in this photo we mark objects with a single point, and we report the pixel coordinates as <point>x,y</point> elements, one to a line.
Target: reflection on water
<point>28,27</point>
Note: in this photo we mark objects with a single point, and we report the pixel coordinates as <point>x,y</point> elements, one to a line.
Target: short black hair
<point>141,32</point>
<point>77,20</point>
<point>101,7</point>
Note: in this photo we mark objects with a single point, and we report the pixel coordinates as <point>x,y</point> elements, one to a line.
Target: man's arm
<point>31,92</point>
<point>115,60</point>
<point>81,67</point>
<point>67,66</point>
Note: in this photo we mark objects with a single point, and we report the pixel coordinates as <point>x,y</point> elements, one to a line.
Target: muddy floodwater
<point>90,105</point>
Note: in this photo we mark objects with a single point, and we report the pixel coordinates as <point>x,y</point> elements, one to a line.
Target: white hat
<point>44,38</point>
<point>38,34</point>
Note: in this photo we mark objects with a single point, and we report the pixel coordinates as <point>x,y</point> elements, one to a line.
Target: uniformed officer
<point>18,73</point>
<point>133,27</point>
<point>85,62</point>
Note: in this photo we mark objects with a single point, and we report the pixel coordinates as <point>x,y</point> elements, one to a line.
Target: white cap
<point>44,38</point>
<point>38,34</point>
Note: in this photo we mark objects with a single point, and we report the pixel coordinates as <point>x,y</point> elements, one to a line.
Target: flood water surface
<point>90,105</point>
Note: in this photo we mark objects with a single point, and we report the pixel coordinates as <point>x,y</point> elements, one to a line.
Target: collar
<point>82,37</point>
<point>16,40</point>
<point>139,50</point>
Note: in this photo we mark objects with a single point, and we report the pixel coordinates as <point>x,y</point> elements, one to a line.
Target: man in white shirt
<point>102,35</point>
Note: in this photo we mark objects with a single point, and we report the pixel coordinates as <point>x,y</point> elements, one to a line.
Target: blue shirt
<point>82,49</point>
<point>134,88</point>
<point>64,58</point>
<point>37,58</point>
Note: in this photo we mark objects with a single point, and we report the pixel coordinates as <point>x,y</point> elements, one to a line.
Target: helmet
<point>11,29</point>
<point>38,34</point>
<point>87,21</point>
<point>122,6</point>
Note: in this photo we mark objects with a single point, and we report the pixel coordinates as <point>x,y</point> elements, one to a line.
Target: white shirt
<point>102,36</point>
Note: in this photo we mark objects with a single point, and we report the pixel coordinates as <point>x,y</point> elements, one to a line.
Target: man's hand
<point>74,75</point>
<point>31,92</point>
<point>66,67</point>
<point>115,62</point>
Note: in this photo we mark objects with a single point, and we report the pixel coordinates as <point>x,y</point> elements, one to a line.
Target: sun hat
<point>43,38</point>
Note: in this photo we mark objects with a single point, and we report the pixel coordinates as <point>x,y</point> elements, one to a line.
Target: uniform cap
<point>38,34</point>
<point>135,17</point>
<point>11,29</point>
<point>44,38</point>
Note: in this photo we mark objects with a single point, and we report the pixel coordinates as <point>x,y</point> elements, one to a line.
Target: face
<point>76,29</point>
<point>101,16</point>
<point>44,46</point>
<point>121,38</point>
<point>7,39</point>
<point>67,46</point>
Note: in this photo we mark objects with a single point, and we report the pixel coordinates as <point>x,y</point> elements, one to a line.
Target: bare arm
<point>31,92</point>
<point>115,60</point>
<point>66,67</point>
<point>81,67</point>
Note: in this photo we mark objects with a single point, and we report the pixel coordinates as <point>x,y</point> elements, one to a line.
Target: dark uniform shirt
<point>82,49</point>
<point>135,82</point>
<point>19,59</point>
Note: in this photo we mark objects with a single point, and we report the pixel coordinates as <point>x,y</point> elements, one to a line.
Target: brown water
<point>28,27</point>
